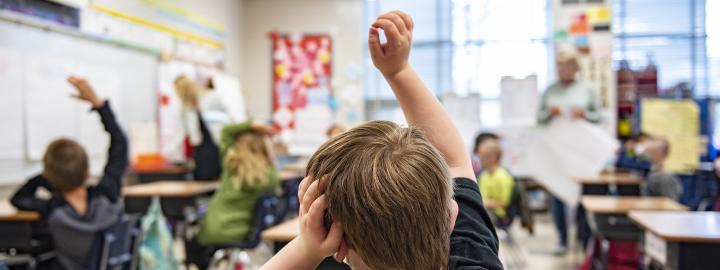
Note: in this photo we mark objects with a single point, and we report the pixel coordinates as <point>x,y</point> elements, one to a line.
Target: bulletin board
<point>678,121</point>
<point>303,101</point>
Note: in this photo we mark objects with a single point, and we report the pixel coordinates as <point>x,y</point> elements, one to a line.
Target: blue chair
<point>118,245</point>
<point>267,214</point>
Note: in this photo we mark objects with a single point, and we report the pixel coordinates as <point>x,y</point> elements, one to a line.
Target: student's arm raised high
<point>111,181</point>
<point>420,106</point>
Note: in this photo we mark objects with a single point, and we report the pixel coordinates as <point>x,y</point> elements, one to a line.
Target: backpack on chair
<point>156,251</point>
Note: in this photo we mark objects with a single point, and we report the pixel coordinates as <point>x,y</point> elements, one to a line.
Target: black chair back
<point>117,246</point>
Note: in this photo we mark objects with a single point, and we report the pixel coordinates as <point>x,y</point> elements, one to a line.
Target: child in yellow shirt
<point>496,184</point>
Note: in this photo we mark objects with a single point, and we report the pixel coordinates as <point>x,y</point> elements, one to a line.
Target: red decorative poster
<point>301,66</point>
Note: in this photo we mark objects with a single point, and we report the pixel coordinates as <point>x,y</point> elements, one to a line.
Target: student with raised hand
<point>248,172</point>
<point>381,196</point>
<point>76,213</point>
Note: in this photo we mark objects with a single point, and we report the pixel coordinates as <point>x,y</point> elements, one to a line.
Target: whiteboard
<point>35,91</point>
<point>11,138</point>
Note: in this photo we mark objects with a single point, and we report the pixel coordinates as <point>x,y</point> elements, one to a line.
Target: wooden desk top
<point>9,213</point>
<point>171,189</point>
<point>608,179</point>
<point>284,232</point>
<point>624,204</point>
<point>697,227</point>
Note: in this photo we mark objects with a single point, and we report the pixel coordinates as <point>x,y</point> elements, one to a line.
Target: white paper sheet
<point>465,113</point>
<point>519,99</point>
<point>558,153</point>
<point>11,73</point>
<point>228,88</point>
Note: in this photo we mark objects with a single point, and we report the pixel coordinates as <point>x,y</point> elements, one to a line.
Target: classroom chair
<point>709,204</point>
<point>518,207</point>
<point>290,196</point>
<point>118,245</point>
<point>267,214</point>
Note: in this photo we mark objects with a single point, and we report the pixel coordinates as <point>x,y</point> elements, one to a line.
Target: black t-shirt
<point>473,242</point>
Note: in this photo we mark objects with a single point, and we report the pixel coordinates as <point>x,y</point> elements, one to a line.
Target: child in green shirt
<point>496,184</point>
<point>248,172</point>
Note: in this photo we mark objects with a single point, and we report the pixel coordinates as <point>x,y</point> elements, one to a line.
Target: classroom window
<point>676,35</point>
<point>465,47</point>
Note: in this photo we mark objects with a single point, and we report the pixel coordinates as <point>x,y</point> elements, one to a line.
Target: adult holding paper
<point>573,98</point>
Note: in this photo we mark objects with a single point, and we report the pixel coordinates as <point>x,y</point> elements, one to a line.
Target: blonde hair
<point>248,160</point>
<point>391,190</point>
<point>187,90</point>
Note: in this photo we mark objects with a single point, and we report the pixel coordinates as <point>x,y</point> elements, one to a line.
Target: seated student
<point>382,195</point>
<point>75,213</point>
<point>661,182</point>
<point>248,172</point>
<point>632,155</point>
<point>479,140</point>
<point>496,184</point>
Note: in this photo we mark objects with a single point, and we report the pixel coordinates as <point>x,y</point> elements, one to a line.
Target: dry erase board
<point>36,106</point>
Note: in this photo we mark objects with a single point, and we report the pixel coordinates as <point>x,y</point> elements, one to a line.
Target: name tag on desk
<point>655,247</point>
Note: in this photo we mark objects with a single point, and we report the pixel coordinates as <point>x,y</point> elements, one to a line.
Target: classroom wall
<point>226,12</point>
<point>341,18</point>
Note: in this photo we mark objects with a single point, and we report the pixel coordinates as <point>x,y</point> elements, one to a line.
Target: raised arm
<point>111,181</point>
<point>230,132</point>
<point>420,106</point>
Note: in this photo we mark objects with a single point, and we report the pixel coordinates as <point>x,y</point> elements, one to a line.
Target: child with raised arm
<point>76,213</point>
<point>381,196</point>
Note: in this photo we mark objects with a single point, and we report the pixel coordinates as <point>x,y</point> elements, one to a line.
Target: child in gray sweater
<point>661,182</point>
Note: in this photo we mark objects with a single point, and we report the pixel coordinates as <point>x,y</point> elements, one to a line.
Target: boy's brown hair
<point>65,165</point>
<point>391,190</point>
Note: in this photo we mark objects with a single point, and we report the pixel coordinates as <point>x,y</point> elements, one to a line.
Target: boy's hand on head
<point>85,91</point>
<point>392,57</point>
<point>318,241</point>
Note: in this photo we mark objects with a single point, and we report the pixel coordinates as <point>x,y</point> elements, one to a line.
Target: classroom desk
<point>175,196</point>
<point>16,227</point>
<point>681,240</point>
<point>608,221</point>
<point>168,172</point>
<point>624,183</point>
<point>284,232</point>
<point>624,204</point>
